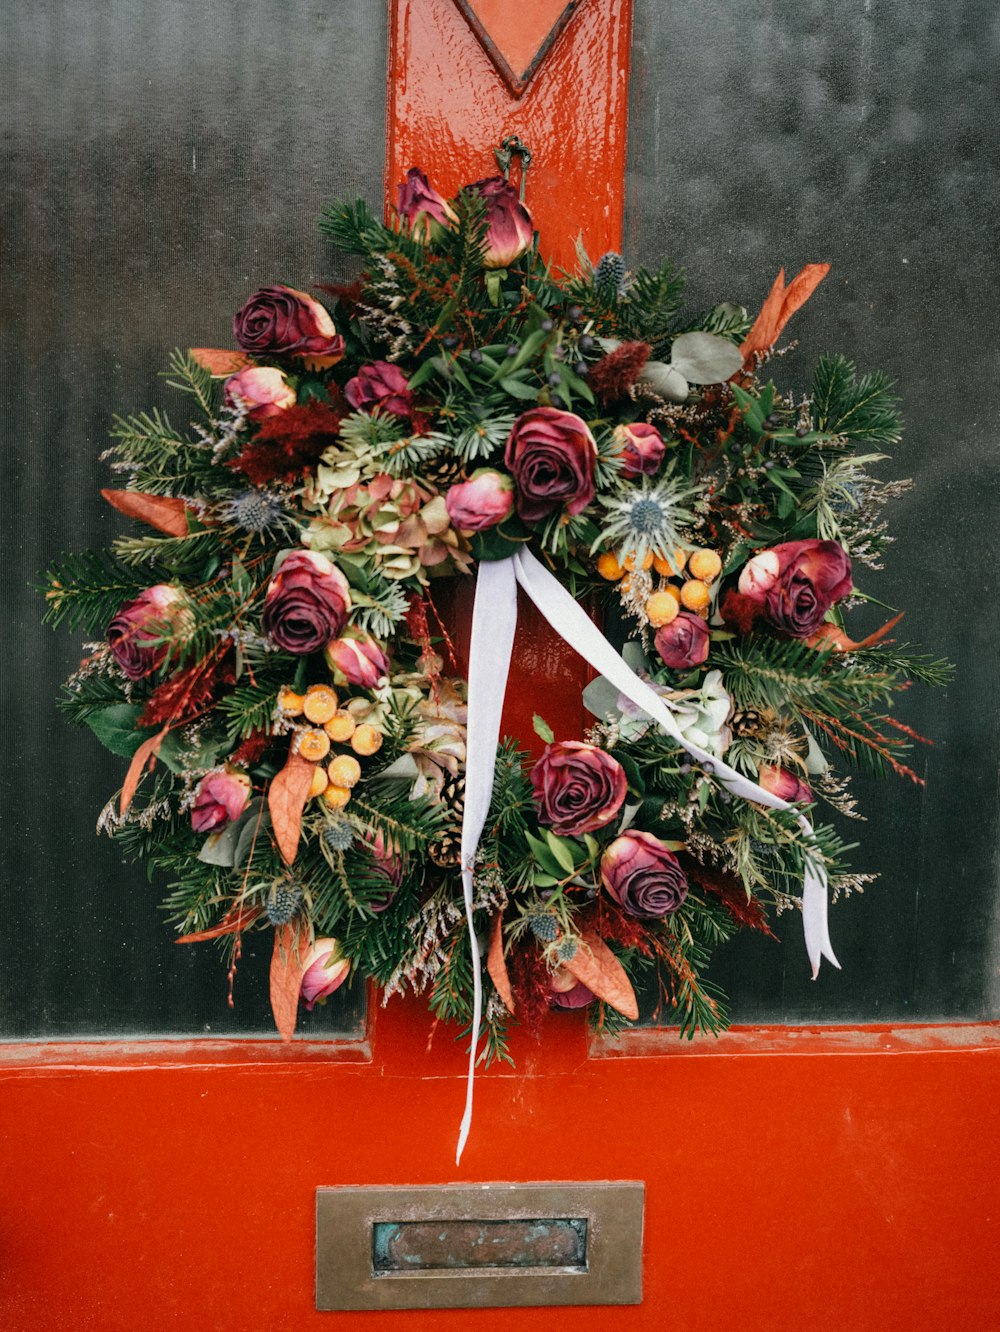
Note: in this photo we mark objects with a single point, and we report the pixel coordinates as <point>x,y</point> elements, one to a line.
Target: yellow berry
<point>366,740</point>
<point>672,590</point>
<point>319,704</point>
<point>647,561</point>
<point>695,595</point>
<point>609,568</point>
<point>340,727</point>
<point>336,796</point>
<point>671,566</point>
<point>345,770</point>
<point>319,782</point>
<point>290,702</point>
<point>661,608</point>
<point>314,745</point>
<point>705,564</point>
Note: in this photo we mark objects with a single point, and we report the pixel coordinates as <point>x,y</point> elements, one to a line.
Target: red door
<point>837,1178</point>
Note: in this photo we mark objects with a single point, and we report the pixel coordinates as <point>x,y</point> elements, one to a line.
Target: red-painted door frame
<point>836,1178</point>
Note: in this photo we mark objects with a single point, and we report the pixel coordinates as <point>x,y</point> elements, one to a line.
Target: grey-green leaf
<point>704,358</point>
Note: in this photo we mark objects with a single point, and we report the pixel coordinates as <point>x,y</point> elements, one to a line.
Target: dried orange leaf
<point>146,753</point>
<point>218,361</point>
<point>596,966</point>
<point>231,923</point>
<point>286,799</point>
<point>163,512</point>
<point>778,308</point>
<point>291,943</point>
<point>828,635</point>
<point>495,964</point>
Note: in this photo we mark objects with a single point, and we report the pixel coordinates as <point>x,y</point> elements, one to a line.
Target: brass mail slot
<point>479,1245</point>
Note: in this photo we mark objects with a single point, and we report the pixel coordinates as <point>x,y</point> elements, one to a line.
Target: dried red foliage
<point>188,693</point>
<point>347,294</point>
<point>730,891</point>
<point>614,926</point>
<point>738,611</point>
<point>613,375</point>
<point>529,981</point>
<point>288,444</point>
<point>251,749</point>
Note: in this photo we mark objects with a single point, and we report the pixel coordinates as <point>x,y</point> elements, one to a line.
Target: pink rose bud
<point>481,502</point>
<point>684,642</point>
<point>796,583</point>
<point>323,971</point>
<point>641,448</point>
<point>643,875</point>
<point>784,784</point>
<point>359,659</point>
<point>306,603</point>
<point>280,321</point>
<point>509,227</point>
<point>578,787</point>
<point>221,798</point>
<point>261,390</point>
<point>565,991</point>
<point>553,459</point>
<point>134,632</point>
<point>380,384</point>
<point>419,204</point>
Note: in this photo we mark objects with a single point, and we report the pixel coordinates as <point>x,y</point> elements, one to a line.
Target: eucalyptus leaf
<point>705,358</point>
<point>665,380</point>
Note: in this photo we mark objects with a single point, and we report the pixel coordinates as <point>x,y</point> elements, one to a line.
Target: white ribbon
<point>494,620</point>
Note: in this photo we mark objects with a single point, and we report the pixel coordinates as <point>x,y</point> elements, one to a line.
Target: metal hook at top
<point>509,145</point>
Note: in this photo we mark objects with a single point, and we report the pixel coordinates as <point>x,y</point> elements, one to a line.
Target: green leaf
<point>517,389</point>
<point>560,849</point>
<point>530,347</point>
<point>117,728</point>
<point>705,358</point>
<point>545,857</point>
<point>421,375</point>
<point>542,729</point>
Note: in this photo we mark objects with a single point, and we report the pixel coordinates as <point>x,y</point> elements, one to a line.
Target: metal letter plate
<point>468,1246</point>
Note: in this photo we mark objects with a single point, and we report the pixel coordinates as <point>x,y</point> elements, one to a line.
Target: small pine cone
<point>337,835</point>
<point>446,852</point>
<point>443,471</point>
<point>283,903</point>
<point>567,949</point>
<point>750,721</point>
<point>544,927</point>
<point>609,275</point>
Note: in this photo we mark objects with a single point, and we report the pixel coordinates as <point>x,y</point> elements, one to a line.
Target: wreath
<point>273,659</point>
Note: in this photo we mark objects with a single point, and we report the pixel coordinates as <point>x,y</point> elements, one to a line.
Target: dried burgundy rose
<point>380,384</point>
<point>796,583</point>
<point>280,321</point>
<point>552,457</point>
<point>684,642</point>
<point>306,603</point>
<point>508,222</point>
<point>221,798</point>
<point>780,782</point>
<point>565,991</point>
<point>578,787</point>
<point>262,391</point>
<point>642,449</point>
<point>643,875</point>
<point>420,204</point>
<point>323,971</point>
<point>358,658</point>
<point>134,632</point>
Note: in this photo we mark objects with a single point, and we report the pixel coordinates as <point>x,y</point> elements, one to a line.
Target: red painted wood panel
<point>839,1180</point>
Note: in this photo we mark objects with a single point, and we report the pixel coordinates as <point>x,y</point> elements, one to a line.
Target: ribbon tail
<point>494,619</point>
<point>575,626</point>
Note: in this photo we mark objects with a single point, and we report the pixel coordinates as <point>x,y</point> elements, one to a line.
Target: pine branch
<point>853,408</point>
<point>191,378</point>
<point>85,591</point>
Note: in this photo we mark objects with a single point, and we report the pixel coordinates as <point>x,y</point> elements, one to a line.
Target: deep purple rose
<point>280,321</point>
<point>508,222</point>
<point>796,583</point>
<point>642,448</point>
<point>134,632</point>
<point>220,798</point>
<point>306,603</point>
<point>578,787</point>
<point>552,457</point>
<point>380,384</point>
<point>684,642</point>
<point>421,206</point>
<point>643,876</point>
<point>481,502</point>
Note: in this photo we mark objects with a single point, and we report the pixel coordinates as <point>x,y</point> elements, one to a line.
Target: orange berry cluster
<point>330,724</point>
<point>692,594</point>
